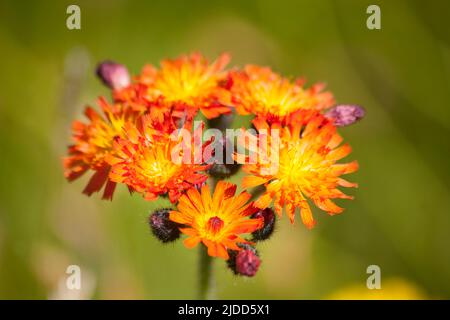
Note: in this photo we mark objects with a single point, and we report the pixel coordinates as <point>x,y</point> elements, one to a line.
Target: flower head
<point>216,221</point>
<point>183,85</point>
<point>93,142</point>
<point>144,160</point>
<point>260,91</point>
<point>307,168</point>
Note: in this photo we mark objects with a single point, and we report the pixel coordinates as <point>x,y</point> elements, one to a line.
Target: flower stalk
<point>206,278</point>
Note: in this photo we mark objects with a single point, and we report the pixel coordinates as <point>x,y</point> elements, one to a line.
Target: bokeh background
<point>400,219</point>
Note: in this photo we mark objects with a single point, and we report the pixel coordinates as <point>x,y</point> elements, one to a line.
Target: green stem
<point>206,281</point>
<point>205,275</point>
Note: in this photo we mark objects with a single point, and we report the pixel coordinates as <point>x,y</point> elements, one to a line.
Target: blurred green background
<point>400,219</point>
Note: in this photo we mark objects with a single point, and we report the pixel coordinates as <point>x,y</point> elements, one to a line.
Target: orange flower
<point>260,91</point>
<point>216,221</point>
<point>93,142</point>
<point>183,85</point>
<point>143,160</point>
<point>306,167</point>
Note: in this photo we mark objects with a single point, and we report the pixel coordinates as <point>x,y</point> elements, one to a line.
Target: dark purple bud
<point>163,228</point>
<point>222,122</point>
<point>344,115</point>
<point>114,75</point>
<point>269,224</point>
<point>244,262</point>
<point>224,166</point>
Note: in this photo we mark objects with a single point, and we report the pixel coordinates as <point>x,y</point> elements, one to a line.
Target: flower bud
<point>269,224</point>
<point>244,262</point>
<point>113,75</point>
<point>162,227</point>
<point>222,122</point>
<point>224,166</point>
<point>344,115</point>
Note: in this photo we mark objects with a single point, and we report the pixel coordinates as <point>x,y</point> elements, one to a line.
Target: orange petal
<point>97,181</point>
<point>222,251</point>
<point>189,231</point>
<point>179,217</point>
<point>212,247</point>
<point>247,226</point>
<point>263,201</point>
<point>194,197</point>
<point>290,211</point>
<point>109,190</point>
<point>329,206</point>
<point>306,215</point>
<point>346,168</point>
<point>252,181</point>
<point>191,242</point>
<point>347,184</point>
<point>260,123</point>
<point>335,141</point>
<point>339,153</point>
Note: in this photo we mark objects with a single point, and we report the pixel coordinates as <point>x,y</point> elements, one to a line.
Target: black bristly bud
<point>226,166</point>
<point>269,224</point>
<point>162,227</point>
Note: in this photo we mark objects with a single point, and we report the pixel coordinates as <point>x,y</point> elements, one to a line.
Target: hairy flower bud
<point>222,122</point>
<point>269,224</point>
<point>114,75</point>
<point>244,262</point>
<point>163,228</point>
<point>344,115</point>
<point>225,166</point>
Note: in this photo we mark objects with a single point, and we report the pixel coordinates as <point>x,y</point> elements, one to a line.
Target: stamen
<point>215,224</point>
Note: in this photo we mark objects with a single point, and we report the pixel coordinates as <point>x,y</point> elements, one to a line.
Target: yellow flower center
<point>297,164</point>
<point>277,99</point>
<point>184,84</point>
<point>212,225</point>
<point>156,165</point>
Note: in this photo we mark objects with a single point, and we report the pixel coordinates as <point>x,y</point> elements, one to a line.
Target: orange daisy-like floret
<point>305,167</point>
<point>216,221</point>
<point>183,85</point>
<point>144,160</point>
<point>260,91</point>
<point>93,142</point>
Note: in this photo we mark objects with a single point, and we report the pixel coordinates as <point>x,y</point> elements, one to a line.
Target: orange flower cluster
<point>134,139</point>
<point>131,143</point>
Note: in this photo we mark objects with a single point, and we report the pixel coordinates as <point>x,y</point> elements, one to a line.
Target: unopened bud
<point>225,166</point>
<point>244,262</point>
<point>266,231</point>
<point>114,75</point>
<point>162,227</point>
<point>222,122</point>
<point>344,115</point>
